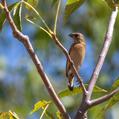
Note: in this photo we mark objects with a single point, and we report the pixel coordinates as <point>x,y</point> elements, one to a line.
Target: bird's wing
<point>68,66</point>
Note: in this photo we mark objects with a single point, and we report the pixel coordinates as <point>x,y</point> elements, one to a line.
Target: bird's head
<point>77,37</point>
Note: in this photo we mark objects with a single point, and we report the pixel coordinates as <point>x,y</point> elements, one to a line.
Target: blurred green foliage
<point>21,86</point>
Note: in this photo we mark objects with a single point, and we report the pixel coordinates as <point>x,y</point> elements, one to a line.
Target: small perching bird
<point>77,53</point>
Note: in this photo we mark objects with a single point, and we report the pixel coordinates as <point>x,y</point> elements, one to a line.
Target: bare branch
<point>25,40</point>
<point>56,40</point>
<point>85,105</point>
<point>104,98</point>
<point>105,48</point>
<point>86,102</point>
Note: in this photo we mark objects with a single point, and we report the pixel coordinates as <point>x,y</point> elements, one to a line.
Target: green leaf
<point>40,105</point>
<point>115,84</point>
<point>13,114</point>
<point>112,101</point>
<point>44,111</point>
<point>98,112</point>
<point>115,98</point>
<point>8,115</point>
<point>36,12</point>
<point>17,16</point>
<point>71,6</point>
<point>59,116</point>
<point>3,16</point>
<point>78,90</point>
<point>1,6</point>
<point>67,92</point>
<point>54,2</point>
<point>4,115</point>
<point>34,3</point>
<point>109,104</point>
<point>32,20</point>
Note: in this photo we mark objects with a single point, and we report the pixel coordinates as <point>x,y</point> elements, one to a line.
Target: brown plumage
<point>77,53</point>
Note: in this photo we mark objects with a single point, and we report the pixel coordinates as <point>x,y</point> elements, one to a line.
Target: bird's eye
<point>76,35</point>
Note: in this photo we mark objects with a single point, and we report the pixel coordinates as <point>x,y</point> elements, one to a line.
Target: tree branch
<point>103,98</point>
<point>87,102</point>
<point>105,48</point>
<point>25,40</point>
<point>56,40</point>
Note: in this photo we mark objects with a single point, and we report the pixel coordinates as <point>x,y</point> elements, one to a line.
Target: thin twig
<point>105,48</point>
<point>40,27</point>
<point>44,110</point>
<point>43,21</point>
<point>56,40</point>
<point>25,40</point>
<point>56,17</point>
<point>103,98</point>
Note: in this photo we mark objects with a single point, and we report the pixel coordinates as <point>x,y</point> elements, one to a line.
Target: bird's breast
<point>77,54</point>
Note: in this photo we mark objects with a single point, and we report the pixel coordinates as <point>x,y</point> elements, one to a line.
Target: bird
<point>77,54</point>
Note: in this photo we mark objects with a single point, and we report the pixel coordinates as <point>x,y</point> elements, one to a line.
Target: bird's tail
<point>71,82</point>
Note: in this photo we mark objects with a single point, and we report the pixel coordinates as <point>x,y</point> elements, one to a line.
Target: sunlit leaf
<point>40,105</point>
<point>8,115</point>
<point>17,16</point>
<point>67,92</point>
<point>44,111</point>
<point>71,6</point>
<point>4,115</point>
<point>78,90</point>
<point>34,3</point>
<point>3,16</point>
<point>98,89</point>
<point>1,6</point>
<point>59,116</point>
<point>49,115</point>
<point>13,114</point>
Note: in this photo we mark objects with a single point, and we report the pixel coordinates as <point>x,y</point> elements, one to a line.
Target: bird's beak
<point>71,35</point>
